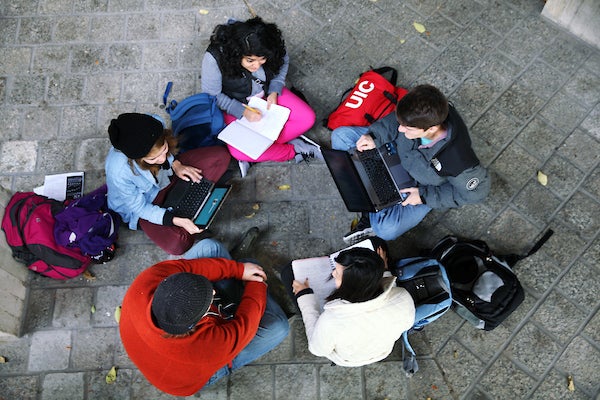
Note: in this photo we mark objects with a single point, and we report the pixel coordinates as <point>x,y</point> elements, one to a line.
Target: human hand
<point>383,254</point>
<point>187,224</point>
<point>253,272</point>
<point>413,199</point>
<point>252,116</point>
<point>298,286</point>
<point>272,99</point>
<point>365,142</point>
<point>186,172</point>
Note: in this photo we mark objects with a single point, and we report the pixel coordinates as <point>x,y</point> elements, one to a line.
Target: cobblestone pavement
<point>528,91</point>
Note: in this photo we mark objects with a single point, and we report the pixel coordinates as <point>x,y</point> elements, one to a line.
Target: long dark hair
<point>251,37</point>
<point>361,279</point>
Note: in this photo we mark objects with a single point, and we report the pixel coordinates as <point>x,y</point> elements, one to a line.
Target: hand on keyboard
<point>186,224</point>
<point>365,142</point>
<point>186,172</point>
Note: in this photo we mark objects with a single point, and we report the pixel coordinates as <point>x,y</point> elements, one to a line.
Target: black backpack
<point>485,290</point>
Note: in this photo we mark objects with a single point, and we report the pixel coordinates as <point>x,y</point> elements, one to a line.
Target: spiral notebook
<point>318,271</point>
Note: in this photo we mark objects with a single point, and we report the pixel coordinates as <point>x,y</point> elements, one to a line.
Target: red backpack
<point>28,223</point>
<point>373,97</point>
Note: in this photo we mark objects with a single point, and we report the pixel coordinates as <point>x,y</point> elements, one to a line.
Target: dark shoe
<point>241,250</point>
<point>362,231</point>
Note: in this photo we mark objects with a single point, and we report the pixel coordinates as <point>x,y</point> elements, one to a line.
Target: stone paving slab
<point>528,91</point>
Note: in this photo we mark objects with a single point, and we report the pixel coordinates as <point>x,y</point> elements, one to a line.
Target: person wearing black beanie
<point>142,166</point>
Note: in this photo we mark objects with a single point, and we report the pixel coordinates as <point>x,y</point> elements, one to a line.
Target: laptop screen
<point>347,180</point>
<point>212,205</point>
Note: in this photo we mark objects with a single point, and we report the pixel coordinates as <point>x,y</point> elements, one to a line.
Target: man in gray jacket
<point>435,148</point>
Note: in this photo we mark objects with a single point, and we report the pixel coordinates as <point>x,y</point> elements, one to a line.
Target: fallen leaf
<point>402,41</point>
<point>250,215</point>
<point>203,11</point>
<point>111,377</point>
<point>2,360</point>
<point>571,385</point>
<point>455,353</point>
<point>256,207</point>
<point>87,274</point>
<point>542,178</point>
<point>118,314</point>
<point>93,310</point>
<point>274,243</point>
<point>419,27</point>
<point>284,187</point>
<point>353,223</point>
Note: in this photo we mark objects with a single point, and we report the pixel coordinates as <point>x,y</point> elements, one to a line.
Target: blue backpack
<point>426,281</point>
<point>196,120</point>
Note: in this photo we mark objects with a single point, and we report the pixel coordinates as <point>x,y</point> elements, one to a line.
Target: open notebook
<point>318,271</point>
<point>253,138</point>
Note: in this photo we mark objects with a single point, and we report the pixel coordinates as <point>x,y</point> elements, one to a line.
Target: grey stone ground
<point>528,91</point>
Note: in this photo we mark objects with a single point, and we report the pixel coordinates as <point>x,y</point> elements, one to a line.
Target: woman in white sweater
<point>362,318</point>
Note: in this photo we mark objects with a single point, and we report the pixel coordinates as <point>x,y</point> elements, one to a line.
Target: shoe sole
<point>357,236</point>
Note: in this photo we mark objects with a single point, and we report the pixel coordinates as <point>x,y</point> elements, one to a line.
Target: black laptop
<point>369,180</point>
<point>198,201</point>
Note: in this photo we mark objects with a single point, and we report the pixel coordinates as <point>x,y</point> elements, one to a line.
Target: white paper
<point>318,271</point>
<point>63,186</point>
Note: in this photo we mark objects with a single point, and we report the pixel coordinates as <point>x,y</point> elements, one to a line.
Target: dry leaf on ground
<point>419,27</point>
<point>111,377</point>
<point>542,178</point>
<point>118,314</point>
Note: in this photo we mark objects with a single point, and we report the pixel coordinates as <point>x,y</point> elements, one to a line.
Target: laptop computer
<point>370,180</point>
<point>198,201</point>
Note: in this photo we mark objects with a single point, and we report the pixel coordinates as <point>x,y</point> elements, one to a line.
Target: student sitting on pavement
<point>363,317</point>
<point>187,323</point>
<point>141,168</point>
<point>435,148</point>
<point>246,59</point>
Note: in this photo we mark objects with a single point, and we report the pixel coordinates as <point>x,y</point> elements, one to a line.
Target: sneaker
<point>305,150</point>
<point>241,250</point>
<point>244,167</point>
<point>362,231</point>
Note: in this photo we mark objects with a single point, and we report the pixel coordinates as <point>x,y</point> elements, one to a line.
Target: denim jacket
<point>131,191</point>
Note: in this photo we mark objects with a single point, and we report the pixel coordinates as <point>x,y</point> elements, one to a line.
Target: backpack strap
<point>512,259</point>
<point>167,91</point>
<point>409,358</point>
<point>384,70</point>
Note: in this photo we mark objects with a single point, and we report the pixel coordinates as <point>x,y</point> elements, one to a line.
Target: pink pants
<point>213,161</point>
<point>301,119</point>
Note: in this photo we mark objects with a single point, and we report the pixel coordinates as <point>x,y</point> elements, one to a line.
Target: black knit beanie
<point>180,301</point>
<point>134,134</point>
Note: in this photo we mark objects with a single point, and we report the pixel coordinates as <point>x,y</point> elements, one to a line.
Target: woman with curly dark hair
<point>246,59</point>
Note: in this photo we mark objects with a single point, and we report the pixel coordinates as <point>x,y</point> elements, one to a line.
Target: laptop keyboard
<point>193,198</point>
<point>378,175</point>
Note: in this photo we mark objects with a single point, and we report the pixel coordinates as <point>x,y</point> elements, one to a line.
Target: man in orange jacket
<point>188,323</point>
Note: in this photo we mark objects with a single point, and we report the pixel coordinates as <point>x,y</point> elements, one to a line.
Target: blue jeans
<point>393,221</point>
<point>273,326</point>
<point>207,248</point>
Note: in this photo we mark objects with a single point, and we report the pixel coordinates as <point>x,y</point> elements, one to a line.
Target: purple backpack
<point>88,224</point>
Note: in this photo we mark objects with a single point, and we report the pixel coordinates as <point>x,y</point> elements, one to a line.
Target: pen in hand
<point>253,115</point>
<point>247,107</point>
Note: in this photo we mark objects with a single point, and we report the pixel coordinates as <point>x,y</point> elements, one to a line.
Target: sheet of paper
<point>272,121</point>
<point>318,271</point>
<point>64,186</point>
